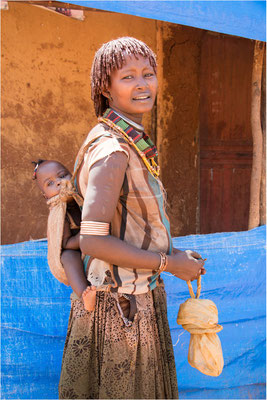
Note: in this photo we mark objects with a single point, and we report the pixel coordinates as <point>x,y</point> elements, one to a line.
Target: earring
<point>109,97</point>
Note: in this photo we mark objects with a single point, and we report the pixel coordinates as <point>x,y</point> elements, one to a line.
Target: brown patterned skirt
<point>106,359</point>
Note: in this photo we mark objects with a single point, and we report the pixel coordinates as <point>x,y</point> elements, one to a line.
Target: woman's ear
<point>106,93</point>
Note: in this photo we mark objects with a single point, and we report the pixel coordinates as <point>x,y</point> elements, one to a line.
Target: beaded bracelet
<point>163,263</point>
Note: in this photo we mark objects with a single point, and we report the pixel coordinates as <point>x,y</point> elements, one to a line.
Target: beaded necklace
<point>140,142</point>
<point>137,127</point>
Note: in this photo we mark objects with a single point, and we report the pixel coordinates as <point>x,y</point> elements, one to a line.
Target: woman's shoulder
<point>100,132</point>
<point>101,142</point>
<point>105,136</point>
<point>97,131</point>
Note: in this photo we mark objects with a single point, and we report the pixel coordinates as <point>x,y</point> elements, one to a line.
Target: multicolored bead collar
<point>140,141</point>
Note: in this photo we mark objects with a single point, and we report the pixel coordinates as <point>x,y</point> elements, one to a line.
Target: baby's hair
<point>36,166</point>
<point>109,57</point>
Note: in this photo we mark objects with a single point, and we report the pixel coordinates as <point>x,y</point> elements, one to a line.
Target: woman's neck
<point>134,124</point>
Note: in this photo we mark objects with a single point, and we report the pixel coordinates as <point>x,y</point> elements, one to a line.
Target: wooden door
<point>225,133</point>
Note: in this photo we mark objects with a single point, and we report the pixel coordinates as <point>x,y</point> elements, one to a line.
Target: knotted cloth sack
<point>200,318</point>
<point>55,226</point>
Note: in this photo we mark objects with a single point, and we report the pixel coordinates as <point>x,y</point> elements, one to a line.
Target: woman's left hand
<point>193,254</point>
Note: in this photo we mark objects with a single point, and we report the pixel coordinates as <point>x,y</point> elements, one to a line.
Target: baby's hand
<point>72,242</point>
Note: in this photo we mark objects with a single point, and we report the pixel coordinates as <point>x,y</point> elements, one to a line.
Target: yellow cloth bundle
<point>200,318</point>
<point>55,225</point>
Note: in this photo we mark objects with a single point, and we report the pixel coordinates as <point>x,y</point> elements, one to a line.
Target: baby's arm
<point>70,242</point>
<point>73,266</point>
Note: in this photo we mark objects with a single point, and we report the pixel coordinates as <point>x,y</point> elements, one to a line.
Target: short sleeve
<point>103,147</point>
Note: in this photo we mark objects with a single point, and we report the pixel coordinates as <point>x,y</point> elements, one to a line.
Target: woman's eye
<point>127,77</point>
<point>49,183</point>
<point>149,74</point>
<point>63,175</point>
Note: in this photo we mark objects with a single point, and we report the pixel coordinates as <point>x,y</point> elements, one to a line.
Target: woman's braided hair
<point>109,57</point>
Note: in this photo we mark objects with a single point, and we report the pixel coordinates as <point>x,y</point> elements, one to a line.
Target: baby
<point>49,175</point>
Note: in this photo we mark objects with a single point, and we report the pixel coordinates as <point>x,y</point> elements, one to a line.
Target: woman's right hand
<point>186,265</point>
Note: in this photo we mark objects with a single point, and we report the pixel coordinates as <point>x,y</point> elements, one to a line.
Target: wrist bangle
<point>163,263</point>
<point>94,228</point>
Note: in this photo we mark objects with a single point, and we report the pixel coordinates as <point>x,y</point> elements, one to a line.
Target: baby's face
<point>49,176</point>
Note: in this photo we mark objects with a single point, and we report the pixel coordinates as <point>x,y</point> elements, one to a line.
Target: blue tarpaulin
<point>35,310</point>
<point>240,18</point>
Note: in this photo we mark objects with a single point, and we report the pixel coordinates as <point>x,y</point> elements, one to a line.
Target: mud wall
<point>178,123</point>
<point>47,111</point>
<point>46,106</point>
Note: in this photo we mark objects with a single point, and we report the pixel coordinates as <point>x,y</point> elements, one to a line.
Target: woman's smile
<point>141,97</point>
<point>133,88</point>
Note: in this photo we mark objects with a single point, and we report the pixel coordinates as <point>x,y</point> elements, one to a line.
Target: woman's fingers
<point>202,271</point>
<point>194,254</point>
<point>199,259</point>
<point>189,265</point>
<point>199,273</point>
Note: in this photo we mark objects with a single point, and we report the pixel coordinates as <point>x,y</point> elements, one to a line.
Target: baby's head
<point>110,57</point>
<point>48,175</point>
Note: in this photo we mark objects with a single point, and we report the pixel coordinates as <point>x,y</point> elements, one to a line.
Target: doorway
<point>225,133</point>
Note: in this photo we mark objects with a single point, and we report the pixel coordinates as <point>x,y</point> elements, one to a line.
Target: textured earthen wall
<point>47,111</point>
<point>46,106</point>
<point>178,121</point>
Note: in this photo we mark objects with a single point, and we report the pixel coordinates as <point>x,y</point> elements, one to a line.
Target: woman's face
<point>133,88</point>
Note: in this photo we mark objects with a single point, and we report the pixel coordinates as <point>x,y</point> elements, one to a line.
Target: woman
<point>123,349</point>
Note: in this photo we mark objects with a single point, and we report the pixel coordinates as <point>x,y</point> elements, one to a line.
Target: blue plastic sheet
<point>240,18</point>
<point>35,310</point>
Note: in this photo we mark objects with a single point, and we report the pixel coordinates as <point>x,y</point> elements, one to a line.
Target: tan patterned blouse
<point>140,218</point>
